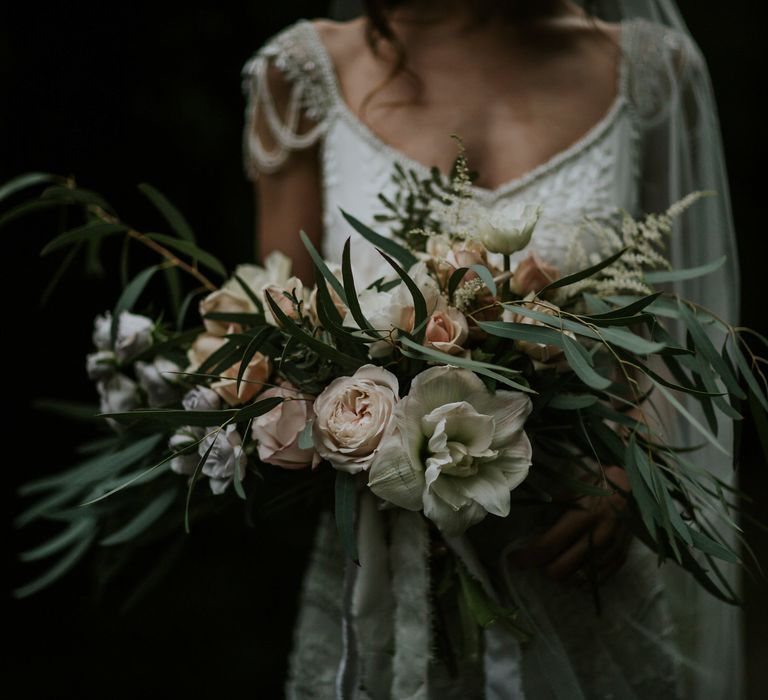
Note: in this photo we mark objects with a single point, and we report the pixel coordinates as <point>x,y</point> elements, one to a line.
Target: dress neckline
<point>593,134</point>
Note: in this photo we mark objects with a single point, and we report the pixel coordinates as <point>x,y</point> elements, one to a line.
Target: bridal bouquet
<point>456,386</point>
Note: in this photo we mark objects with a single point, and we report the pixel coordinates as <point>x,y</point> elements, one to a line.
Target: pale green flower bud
<point>508,229</point>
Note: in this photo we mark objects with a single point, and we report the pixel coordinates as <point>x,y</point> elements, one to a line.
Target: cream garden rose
<point>276,270</point>
<point>455,450</point>
<point>352,415</point>
<point>256,374</point>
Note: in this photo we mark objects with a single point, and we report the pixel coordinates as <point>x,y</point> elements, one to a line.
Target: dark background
<point>151,92</point>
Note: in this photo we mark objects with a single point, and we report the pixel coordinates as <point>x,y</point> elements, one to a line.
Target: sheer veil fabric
<point>663,636</point>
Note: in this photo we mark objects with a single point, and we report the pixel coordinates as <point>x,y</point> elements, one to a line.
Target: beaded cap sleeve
<point>290,53</point>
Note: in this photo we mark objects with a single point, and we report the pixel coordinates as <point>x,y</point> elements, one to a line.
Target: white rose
<point>225,456</point>
<point>157,378</point>
<point>508,229</point>
<point>456,450</point>
<point>134,334</point>
<point>351,416</point>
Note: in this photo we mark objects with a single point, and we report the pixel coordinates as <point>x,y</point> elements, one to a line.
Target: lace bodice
<point>592,177</point>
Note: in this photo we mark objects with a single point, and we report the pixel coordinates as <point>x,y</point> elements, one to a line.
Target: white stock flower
<point>456,449</point>
<point>117,394</point>
<point>352,414</point>
<point>507,229</point>
<point>201,398</point>
<point>134,334</point>
<point>185,437</point>
<point>225,456</point>
<point>101,364</point>
<point>157,378</point>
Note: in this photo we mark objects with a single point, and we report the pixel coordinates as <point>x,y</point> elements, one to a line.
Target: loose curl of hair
<point>378,28</point>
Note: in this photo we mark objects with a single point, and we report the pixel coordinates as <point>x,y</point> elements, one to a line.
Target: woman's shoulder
<point>661,61</point>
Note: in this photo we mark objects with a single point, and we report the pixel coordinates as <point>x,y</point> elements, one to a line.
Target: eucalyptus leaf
<point>90,231</point>
<point>129,296</point>
<point>659,276</point>
<point>317,259</point>
<point>61,567</point>
<point>581,363</point>
<point>387,245</point>
<point>188,248</point>
<point>172,215</point>
<point>25,180</point>
<point>582,274</point>
<point>324,350</point>
<point>143,520</point>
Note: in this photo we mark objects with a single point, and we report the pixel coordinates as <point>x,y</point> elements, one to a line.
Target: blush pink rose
<point>533,274</point>
<point>256,373</point>
<point>277,432</point>
<point>447,330</point>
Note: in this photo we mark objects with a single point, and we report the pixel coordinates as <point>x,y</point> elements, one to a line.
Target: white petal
<point>393,477</point>
<point>510,410</point>
<point>438,386</point>
<point>451,522</point>
<point>489,489</point>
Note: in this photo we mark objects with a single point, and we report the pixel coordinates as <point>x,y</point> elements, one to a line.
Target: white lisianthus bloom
<point>159,381</point>
<point>225,456</point>
<point>352,414</point>
<point>456,449</point>
<point>134,334</point>
<point>508,229</point>
<point>276,270</point>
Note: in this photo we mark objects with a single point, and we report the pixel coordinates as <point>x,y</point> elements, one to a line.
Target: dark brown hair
<point>378,28</point>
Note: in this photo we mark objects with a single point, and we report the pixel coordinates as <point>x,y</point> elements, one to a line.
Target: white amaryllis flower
<point>276,270</point>
<point>159,381</point>
<point>507,229</point>
<point>134,334</point>
<point>352,414</point>
<point>225,456</point>
<point>456,449</point>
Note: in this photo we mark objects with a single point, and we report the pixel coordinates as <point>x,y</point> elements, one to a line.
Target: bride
<point>557,105</point>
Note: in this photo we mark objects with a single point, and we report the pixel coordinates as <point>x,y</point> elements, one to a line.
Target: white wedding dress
<point>628,651</point>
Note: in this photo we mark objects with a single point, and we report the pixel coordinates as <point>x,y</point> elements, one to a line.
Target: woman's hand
<point>590,540</point>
